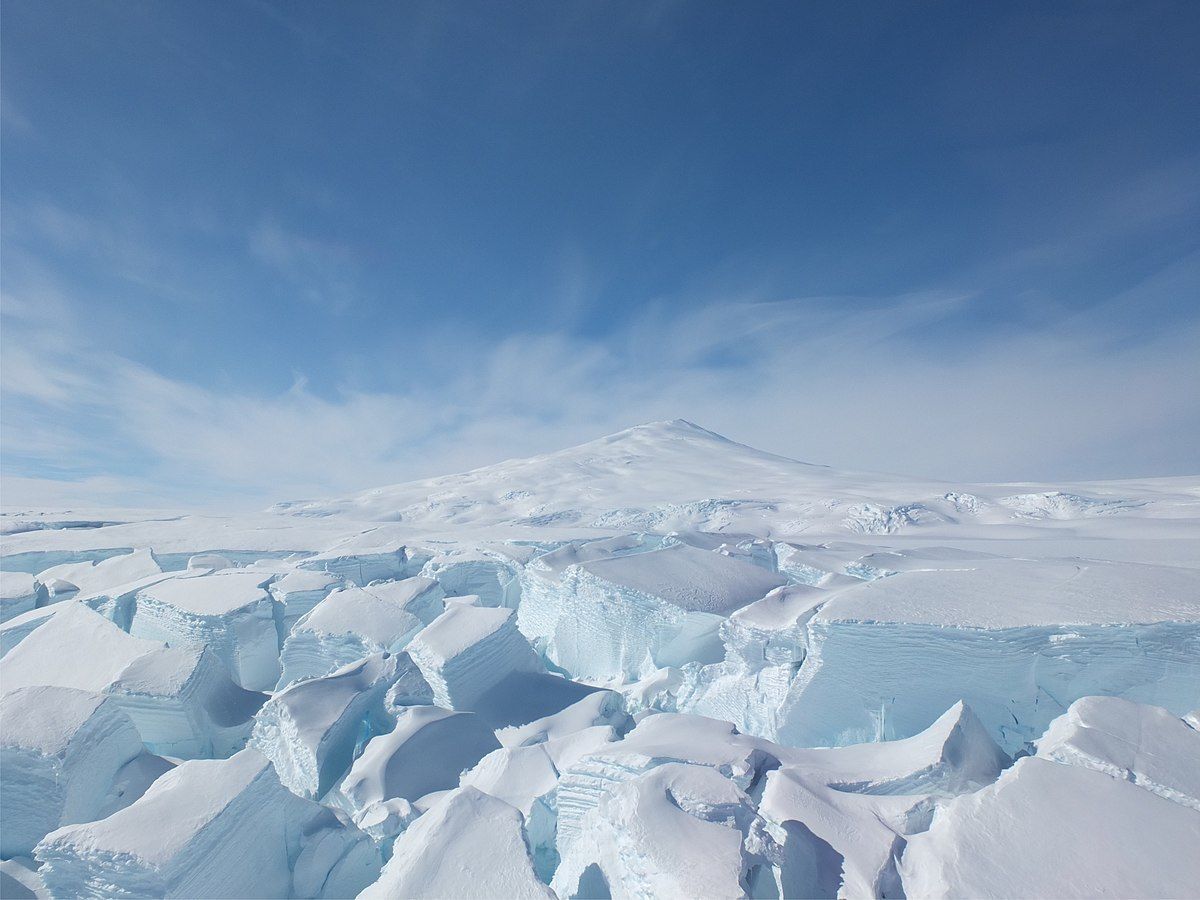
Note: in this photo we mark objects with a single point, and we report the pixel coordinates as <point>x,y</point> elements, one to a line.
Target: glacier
<point>660,664</point>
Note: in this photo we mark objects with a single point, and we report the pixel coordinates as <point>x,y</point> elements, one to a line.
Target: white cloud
<point>834,381</point>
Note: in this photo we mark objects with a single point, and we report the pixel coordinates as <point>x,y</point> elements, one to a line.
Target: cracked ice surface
<point>660,664</point>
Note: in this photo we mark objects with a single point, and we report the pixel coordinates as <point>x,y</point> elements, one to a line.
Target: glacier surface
<point>660,664</point>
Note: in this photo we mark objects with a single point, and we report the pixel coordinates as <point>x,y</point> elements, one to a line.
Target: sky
<point>256,250</point>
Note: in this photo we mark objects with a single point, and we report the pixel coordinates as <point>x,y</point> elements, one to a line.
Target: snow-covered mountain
<point>663,473</point>
<point>672,476</point>
<point>660,663</point>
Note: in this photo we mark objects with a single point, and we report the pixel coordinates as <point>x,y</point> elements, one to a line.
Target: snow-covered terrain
<point>659,664</point>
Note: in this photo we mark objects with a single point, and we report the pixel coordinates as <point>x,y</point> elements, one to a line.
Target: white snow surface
<point>659,664</point>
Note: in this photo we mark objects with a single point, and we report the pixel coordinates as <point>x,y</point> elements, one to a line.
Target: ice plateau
<point>659,664</point>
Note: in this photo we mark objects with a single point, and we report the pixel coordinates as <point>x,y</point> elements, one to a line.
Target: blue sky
<point>255,250</point>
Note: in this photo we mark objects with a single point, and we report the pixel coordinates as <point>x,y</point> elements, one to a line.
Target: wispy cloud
<point>319,271</point>
<point>846,383</point>
<point>12,118</point>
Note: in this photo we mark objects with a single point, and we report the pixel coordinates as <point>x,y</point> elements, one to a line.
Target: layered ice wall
<point>19,593</point>
<point>470,570</point>
<point>181,700</point>
<point>467,650</point>
<point>1018,640</point>
<point>311,730</point>
<point>765,644</point>
<point>361,567</point>
<point>61,752</point>
<point>231,614</point>
<point>346,626</point>
<point>243,835</point>
<point>623,617</point>
<point>633,842</point>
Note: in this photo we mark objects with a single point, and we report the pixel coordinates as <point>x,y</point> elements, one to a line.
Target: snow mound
<point>420,596</point>
<point>299,591</point>
<point>1144,745</point>
<point>92,575</point>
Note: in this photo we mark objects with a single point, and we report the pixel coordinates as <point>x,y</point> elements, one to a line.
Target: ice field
<point>659,664</point>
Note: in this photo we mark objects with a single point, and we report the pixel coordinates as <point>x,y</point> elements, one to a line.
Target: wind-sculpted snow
<point>843,815</point>
<point>1145,745</point>
<point>1109,836</point>
<point>424,753</point>
<point>660,664</point>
